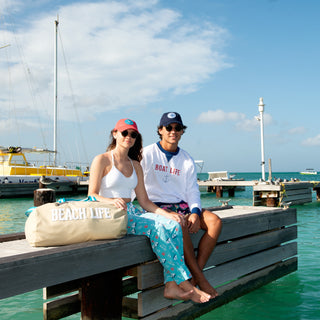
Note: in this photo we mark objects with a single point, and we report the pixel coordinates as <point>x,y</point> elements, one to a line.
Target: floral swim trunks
<point>181,207</point>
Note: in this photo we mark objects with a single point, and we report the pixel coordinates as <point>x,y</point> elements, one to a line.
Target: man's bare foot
<point>198,295</point>
<point>173,291</point>
<point>205,286</point>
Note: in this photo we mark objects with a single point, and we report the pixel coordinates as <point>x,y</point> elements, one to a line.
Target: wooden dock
<point>269,193</point>
<point>15,190</point>
<point>284,193</point>
<point>219,186</point>
<point>257,245</point>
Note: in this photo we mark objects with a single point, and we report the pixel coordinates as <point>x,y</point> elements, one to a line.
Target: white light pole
<point>260,118</point>
<point>55,88</point>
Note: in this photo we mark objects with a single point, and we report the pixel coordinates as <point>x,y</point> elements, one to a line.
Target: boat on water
<point>199,165</point>
<point>216,175</point>
<point>20,177</point>
<point>309,171</point>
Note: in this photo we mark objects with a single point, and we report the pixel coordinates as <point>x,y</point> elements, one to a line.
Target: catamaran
<point>309,171</point>
<point>20,177</point>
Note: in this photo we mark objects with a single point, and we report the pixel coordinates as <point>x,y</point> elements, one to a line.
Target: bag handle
<point>89,198</point>
<point>63,200</point>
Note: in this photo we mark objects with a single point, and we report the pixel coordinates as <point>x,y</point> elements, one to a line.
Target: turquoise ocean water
<point>293,297</point>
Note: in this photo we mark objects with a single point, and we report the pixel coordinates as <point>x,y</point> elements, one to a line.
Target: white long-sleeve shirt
<point>170,181</point>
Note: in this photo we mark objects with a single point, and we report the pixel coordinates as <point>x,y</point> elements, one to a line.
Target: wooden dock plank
<point>46,267</point>
<point>151,274</point>
<point>306,197</point>
<point>61,308</point>
<point>228,183</point>
<point>297,185</point>
<point>227,293</point>
<point>152,300</point>
<point>245,225</point>
<point>297,192</point>
<point>61,288</point>
<point>12,236</point>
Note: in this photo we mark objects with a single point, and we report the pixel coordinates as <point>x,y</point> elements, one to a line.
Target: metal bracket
<point>285,205</point>
<point>224,202</point>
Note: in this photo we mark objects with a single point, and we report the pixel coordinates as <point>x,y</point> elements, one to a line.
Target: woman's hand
<point>176,217</point>
<point>119,203</point>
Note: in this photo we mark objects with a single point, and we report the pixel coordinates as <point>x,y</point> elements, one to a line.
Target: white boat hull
<point>20,186</point>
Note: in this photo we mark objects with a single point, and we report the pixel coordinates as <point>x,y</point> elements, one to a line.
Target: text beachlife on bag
<point>55,224</point>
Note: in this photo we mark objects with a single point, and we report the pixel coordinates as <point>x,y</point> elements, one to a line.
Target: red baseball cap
<point>125,124</point>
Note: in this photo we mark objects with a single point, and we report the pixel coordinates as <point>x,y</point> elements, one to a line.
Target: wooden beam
<point>12,236</point>
<point>61,308</point>
<point>49,266</point>
<point>61,288</point>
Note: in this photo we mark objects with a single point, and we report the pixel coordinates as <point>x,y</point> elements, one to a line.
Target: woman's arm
<point>148,205</point>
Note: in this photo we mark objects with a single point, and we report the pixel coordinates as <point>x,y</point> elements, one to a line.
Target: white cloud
<point>11,125</point>
<point>297,130</point>
<point>219,116</point>
<point>240,120</point>
<point>129,54</point>
<point>312,141</point>
<point>9,5</point>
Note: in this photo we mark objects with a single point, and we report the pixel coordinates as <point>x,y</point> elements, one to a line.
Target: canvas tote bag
<point>67,222</point>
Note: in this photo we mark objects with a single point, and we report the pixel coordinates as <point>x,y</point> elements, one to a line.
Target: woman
<point>114,175</point>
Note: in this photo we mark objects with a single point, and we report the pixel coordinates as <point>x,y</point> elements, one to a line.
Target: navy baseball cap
<point>170,117</point>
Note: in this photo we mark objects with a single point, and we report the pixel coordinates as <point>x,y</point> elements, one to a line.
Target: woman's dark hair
<point>135,152</point>
<point>160,127</point>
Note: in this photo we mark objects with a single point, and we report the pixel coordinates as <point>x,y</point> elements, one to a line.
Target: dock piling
<point>101,296</point>
<point>42,196</point>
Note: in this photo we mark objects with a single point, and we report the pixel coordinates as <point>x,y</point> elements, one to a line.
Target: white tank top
<point>116,185</point>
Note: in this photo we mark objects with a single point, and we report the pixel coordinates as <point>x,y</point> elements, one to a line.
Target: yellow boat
<point>19,177</point>
<point>13,162</point>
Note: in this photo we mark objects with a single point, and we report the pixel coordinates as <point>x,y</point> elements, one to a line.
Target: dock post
<point>101,296</point>
<point>231,192</point>
<point>219,192</point>
<point>42,196</point>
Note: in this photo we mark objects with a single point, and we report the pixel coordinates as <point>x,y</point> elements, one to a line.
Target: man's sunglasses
<point>133,134</point>
<point>177,128</point>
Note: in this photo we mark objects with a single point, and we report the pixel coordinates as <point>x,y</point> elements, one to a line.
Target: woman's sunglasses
<point>133,134</point>
<point>177,128</point>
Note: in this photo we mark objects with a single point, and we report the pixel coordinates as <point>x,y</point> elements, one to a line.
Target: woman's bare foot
<point>173,291</point>
<point>198,295</point>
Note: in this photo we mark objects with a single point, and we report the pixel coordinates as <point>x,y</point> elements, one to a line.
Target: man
<point>171,182</point>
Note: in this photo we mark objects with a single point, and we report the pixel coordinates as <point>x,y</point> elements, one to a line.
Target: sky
<point>209,60</point>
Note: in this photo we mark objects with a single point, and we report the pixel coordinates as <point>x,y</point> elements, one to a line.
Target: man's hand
<point>193,223</point>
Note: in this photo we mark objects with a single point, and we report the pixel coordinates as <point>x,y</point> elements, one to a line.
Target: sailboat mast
<point>55,93</point>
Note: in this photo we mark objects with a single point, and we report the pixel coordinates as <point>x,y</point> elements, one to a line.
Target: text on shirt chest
<point>162,168</point>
